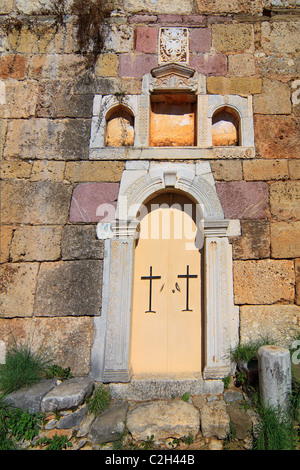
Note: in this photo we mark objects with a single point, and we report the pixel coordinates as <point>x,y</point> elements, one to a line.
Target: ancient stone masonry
<point>222,80</point>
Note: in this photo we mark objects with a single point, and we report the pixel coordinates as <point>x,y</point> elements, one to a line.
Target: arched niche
<point>225,127</point>
<point>119,128</point>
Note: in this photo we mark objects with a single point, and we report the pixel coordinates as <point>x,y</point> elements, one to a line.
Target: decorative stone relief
<point>173,45</point>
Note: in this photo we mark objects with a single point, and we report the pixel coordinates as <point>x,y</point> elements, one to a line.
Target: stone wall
<point>51,261</point>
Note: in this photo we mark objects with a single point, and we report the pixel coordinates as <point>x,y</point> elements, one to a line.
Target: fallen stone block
<point>109,425</point>
<point>68,394</point>
<point>30,398</point>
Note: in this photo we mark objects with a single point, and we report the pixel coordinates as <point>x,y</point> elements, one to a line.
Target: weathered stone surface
<point>275,98</point>
<point>66,340</point>
<point>243,200</point>
<point>15,169</point>
<point>180,6</point>
<point>254,243</point>
<point>294,169</point>
<point>162,420</point>
<point>232,396</point>
<point>210,64</point>
<point>263,281</point>
<point>47,170</point>
<point>60,139</point>
<point>285,239</point>
<point>33,6</point>
<point>136,65</point>
<point>277,136</point>
<point>227,170</point>
<point>42,202</point>
<point>265,170</point>
<point>110,171</point>
<point>69,288</point>
<point>13,66</point>
<point>240,65</point>
<point>274,65</point>
<point>80,242</point>
<point>68,394</point>
<point>297,274</point>
<point>280,36</point>
<point>109,425</point>
<point>30,398</point>
<point>146,39</point>
<point>284,200</point>
<point>7,6</point>
<point>223,6</point>
<point>119,38</point>
<point>107,65</point>
<point>233,85</point>
<point>6,232</point>
<point>72,420</point>
<point>36,243</point>
<point>200,40</point>
<point>21,99</point>
<point>17,289</point>
<point>215,420</point>
<point>280,322</point>
<point>233,38</point>
<point>241,421</point>
<point>92,201</point>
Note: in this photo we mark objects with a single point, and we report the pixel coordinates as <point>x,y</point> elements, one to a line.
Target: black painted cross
<point>187,276</point>
<point>150,278</point>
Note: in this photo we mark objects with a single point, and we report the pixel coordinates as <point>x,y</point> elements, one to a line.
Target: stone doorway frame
<point>141,180</point>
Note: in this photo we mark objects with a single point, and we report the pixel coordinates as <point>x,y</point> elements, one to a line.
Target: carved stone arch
<point>110,361</point>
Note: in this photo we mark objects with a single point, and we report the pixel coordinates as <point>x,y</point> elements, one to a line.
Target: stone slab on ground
<point>215,420</point>
<point>109,425</point>
<point>162,420</point>
<point>68,394</point>
<point>30,398</point>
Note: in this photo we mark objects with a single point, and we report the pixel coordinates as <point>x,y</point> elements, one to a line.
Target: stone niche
<point>173,117</point>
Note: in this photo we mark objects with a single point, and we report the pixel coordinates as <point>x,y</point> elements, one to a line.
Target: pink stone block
<point>200,40</point>
<point>209,64</point>
<point>143,19</point>
<point>169,19</point>
<point>146,39</point>
<point>93,202</point>
<point>194,19</point>
<point>136,65</point>
<point>244,200</point>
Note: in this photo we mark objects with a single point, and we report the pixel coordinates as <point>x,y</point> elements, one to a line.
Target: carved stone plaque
<point>173,45</point>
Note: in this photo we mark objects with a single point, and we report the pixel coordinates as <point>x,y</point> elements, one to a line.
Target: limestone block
<point>285,239</point>
<point>294,169</point>
<point>180,6</point>
<point>233,85</point>
<point>15,169</point>
<point>17,289</point>
<point>41,202</point>
<point>274,65</point>
<point>243,200</point>
<point>297,274</point>
<point>280,36</point>
<point>80,242</point>
<point>223,6</point>
<point>28,7</point>
<point>119,38</point>
<point>7,6</point>
<point>29,398</point>
<point>263,281</point>
<point>92,201</point>
<point>279,322</point>
<point>227,170</point>
<point>265,170</point>
<point>69,288</point>
<point>36,243</point>
<point>60,139</point>
<point>94,171</point>
<point>6,232</point>
<point>13,66</point>
<point>47,170</point>
<point>215,420</point>
<point>162,420</point>
<point>67,340</point>
<point>107,65</point>
<point>109,425</point>
<point>284,199</point>
<point>274,99</point>
<point>277,136</point>
<point>68,394</point>
<point>21,99</point>
<point>232,38</point>
<point>254,243</point>
<point>240,65</point>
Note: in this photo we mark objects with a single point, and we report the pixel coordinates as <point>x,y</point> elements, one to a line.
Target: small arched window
<point>119,128</point>
<point>225,127</point>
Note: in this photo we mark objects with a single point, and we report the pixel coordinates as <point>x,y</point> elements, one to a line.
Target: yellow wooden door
<point>166,314</point>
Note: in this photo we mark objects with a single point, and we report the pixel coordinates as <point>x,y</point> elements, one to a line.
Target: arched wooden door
<point>166,331</point>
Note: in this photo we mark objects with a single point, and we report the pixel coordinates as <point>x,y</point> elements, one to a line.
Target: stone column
<point>275,379</point>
